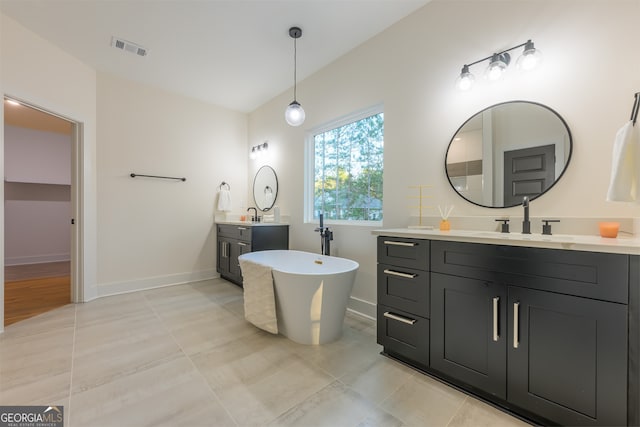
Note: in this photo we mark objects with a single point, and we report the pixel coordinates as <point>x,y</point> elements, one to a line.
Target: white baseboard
<point>36,259</point>
<point>362,307</point>
<point>115,288</point>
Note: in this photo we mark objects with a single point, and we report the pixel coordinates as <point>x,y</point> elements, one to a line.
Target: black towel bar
<point>133,175</point>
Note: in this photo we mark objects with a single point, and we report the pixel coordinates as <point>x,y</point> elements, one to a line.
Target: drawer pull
<point>399,274</point>
<point>242,244</point>
<point>242,228</point>
<point>392,243</point>
<point>496,301</point>
<point>399,318</point>
<point>516,338</point>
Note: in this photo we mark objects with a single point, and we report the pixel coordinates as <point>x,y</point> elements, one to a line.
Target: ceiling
<point>232,53</point>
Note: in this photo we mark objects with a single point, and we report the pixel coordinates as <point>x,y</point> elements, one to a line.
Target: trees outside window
<point>348,164</point>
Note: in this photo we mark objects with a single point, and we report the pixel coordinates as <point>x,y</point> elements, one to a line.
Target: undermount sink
<point>519,236</point>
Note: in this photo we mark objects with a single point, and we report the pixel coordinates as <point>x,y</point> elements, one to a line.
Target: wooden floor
<point>33,289</point>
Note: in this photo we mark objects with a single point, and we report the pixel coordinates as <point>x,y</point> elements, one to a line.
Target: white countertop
<point>590,243</point>
<point>250,224</point>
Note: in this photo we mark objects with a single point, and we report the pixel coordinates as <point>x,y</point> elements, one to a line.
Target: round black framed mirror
<point>265,188</point>
<point>508,151</point>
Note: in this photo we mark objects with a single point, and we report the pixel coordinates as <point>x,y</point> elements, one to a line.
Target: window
<point>344,169</point>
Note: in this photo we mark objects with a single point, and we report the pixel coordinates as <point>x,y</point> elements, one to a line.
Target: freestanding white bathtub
<point>311,293</point>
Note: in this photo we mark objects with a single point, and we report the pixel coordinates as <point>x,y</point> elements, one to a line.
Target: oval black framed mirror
<point>265,188</point>
<point>508,151</point>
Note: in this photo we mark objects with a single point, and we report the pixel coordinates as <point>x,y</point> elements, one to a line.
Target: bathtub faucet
<point>326,236</point>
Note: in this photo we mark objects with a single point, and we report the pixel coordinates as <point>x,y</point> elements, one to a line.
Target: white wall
<point>40,73</point>
<point>37,223</point>
<point>411,68</point>
<point>154,232</point>
<point>36,156</point>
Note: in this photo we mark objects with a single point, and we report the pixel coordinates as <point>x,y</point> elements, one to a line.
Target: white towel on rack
<point>623,186</point>
<point>224,200</point>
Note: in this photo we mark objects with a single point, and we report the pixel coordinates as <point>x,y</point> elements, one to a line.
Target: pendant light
<point>294,114</point>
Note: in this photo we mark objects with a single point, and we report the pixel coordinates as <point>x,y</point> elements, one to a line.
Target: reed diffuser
<point>445,225</point>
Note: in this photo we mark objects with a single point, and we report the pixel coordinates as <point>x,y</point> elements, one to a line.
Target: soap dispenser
<point>276,214</point>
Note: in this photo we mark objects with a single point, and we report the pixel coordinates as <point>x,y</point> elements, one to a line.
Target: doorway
<point>39,205</point>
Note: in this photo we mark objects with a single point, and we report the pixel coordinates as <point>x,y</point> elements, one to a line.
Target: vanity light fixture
<point>259,150</point>
<point>294,114</point>
<point>498,64</point>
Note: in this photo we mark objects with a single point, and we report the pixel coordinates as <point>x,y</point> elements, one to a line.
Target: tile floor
<point>184,356</point>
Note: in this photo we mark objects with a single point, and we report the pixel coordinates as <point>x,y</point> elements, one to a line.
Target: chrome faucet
<point>255,217</point>
<point>526,224</point>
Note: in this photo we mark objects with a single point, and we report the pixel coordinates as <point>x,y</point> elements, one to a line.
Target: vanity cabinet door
<point>469,332</point>
<point>223,254</point>
<point>568,358</point>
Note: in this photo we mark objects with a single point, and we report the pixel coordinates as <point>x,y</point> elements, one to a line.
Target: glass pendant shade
<point>465,79</point>
<point>498,66</point>
<point>530,58</point>
<point>294,114</point>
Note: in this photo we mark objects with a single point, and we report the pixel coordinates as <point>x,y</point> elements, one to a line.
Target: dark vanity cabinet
<point>541,332</point>
<point>235,240</point>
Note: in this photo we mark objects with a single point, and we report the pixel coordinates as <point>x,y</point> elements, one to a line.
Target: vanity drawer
<point>404,335</point>
<point>240,232</point>
<point>595,275</point>
<point>404,288</point>
<point>410,253</point>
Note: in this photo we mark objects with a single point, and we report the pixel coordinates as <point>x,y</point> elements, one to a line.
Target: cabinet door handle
<point>399,318</point>
<point>399,274</point>
<point>516,315</point>
<point>496,301</point>
<point>242,244</point>
<point>392,243</point>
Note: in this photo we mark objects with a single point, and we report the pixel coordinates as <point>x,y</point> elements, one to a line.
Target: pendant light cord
<point>295,66</point>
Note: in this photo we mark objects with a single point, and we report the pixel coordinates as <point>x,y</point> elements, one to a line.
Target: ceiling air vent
<point>129,47</point>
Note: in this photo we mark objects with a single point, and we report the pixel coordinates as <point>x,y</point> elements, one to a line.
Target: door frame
<point>77,213</point>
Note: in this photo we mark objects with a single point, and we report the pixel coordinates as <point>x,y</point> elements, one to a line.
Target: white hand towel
<point>224,200</point>
<point>624,165</point>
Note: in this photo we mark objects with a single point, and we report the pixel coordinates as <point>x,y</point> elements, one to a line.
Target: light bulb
<point>465,79</point>
<point>495,70</point>
<point>294,114</point>
<point>530,58</point>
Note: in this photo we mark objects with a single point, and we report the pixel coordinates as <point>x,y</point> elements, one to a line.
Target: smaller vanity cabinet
<point>234,240</point>
<point>403,298</point>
